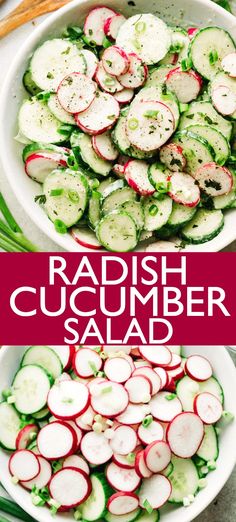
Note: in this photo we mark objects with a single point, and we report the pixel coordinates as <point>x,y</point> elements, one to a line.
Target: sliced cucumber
<point>215,138</point>
<point>94,209</point>
<point>196,150</point>
<point>129,517</point>
<point>89,156</point>
<point>94,508</point>
<point>157,75</point>
<point>116,197</point>
<point>135,209</point>
<point>10,424</point>
<point>157,175</point>
<point>34,148</point>
<point>156,212</point>
<point>187,389</point>
<point>149,517</point>
<point>30,389</point>
<point>205,225</point>
<point>70,204</point>
<point>105,183</point>
<point>168,470</point>
<point>122,142</point>
<point>207,42</point>
<point>42,414</point>
<point>184,479</point>
<point>202,112</point>
<point>37,123</point>
<point>155,93</point>
<point>117,232</point>
<point>180,215</point>
<point>45,357</point>
<point>58,111</point>
<point>209,449</point>
<point>29,84</point>
<point>224,201</point>
<point>54,60</point>
<point>222,79</point>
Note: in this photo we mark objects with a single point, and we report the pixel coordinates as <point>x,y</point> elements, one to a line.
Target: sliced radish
<point>214,179</point>
<point>185,84</point>
<point>122,461</point>
<point>141,363</point>
<point>148,372</point>
<point>93,384</point>
<point>76,92</point>
<point>174,363</point>
<point>43,478</point>
<point>184,190</point>
<point>91,62</point>
<point>76,461</point>
<point>159,355</point>
<point>224,100</point>
<point>95,448</point>
<point>170,386</point>
<point>172,157</point>
<point>87,362</point>
<point>136,74</point>
<point>149,124</point>
<point>26,435</point>
<point>94,23</point>
<point>24,465</point>
<point>184,434</point>
<point>122,503</point>
<point>124,440</point>
<point>139,388</point>
<point>176,374</point>
<point>113,24</point>
<point>115,61</point>
<point>122,479</point>
<point>106,81</point>
<point>208,407</point>
<point>104,146</point>
<point>162,373</point>
<point>151,433</point>
<point>119,170</point>
<point>66,354</point>
<point>100,116</point>
<point>57,440</point>
<point>164,409</point>
<point>109,399</point>
<point>86,237</point>
<point>117,369</point>
<point>229,64</point>
<point>108,349</point>
<point>156,490</point>
<point>140,466</point>
<point>198,368</point>
<point>77,430</point>
<point>136,175</point>
<point>85,420</point>
<point>124,96</point>
<point>157,456</point>
<point>192,31</point>
<point>134,414</point>
<point>70,487</point>
<point>68,399</point>
<point>40,164</point>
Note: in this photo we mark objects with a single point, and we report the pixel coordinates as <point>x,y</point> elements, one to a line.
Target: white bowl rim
<point>225,239</point>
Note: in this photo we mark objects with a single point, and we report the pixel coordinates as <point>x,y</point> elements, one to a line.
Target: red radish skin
<point>224,100</point>
<point>104,147</point>
<point>24,465</point>
<point>208,407</point>
<point>106,81</point>
<point>85,421</point>
<point>66,354</point>
<point>151,375</point>
<point>221,176</point>
<point>78,402</point>
<point>121,460</point>
<point>229,64</point>
<point>122,503</point>
<point>115,61</point>
<point>185,84</point>
<point>184,434</point>
<point>24,436</point>
<point>83,360</point>
<point>172,157</point>
<point>156,490</point>
<point>136,75</point>
<point>136,174</point>
<point>95,22</point>
<point>124,96</point>
<point>113,24</point>
<point>170,386</point>
<point>40,164</point>
<point>141,467</point>
<point>192,32</point>
<point>79,238</point>
<point>158,355</point>
<point>57,450</point>
<point>176,374</point>
<point>70,486</point>
<point>184,189</point>
<point>174,363</point>
<point>157,456</point>
<point>121,479</point>
<point>43,478</point>
<point>97,118</point>
<point>119,170</point>
<point>198,368</point>
<point>76,92</point>
<point>162,373</point>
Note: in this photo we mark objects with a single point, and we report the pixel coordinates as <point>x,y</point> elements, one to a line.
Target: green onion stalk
<point>12,238</point>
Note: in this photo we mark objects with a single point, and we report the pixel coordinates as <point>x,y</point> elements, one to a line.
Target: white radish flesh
<point>122,461</point>
<point>149,124</point>
<point>136,175</point>
<point>157,456</point>
<point>76,92</point>
<point>40,164</point>
<point>198,368</point>
<point>184,190</point>
<point>229,64</point>
<point>214,179</point>
<point>43,478</point>
<point>100,116</point>
<point>134,414</point>
<point>69,487</point>
<point>104,147</point>
<point>66,354</point>
<point>124,440</point>
<point>140,466</point>
<point>164,409</point>
<point>95,448</point>
<point>24,465</point>
<point>136,73</point>
<point>117,369</point>
<point>68,399</point>
<point>122,479</point>
<point>94,23</point>
<point>175,362</point>
<point>124,96</point>
<point>185,85</point>
<point>156,490</point>
<point>108,349</point>
<point>87,362</point>
<point>109,399</point>
<point>86,238</point>
<point>106,81</point>
<point>208,407</point>
<point>85,420</point>
<point>172,157</point>
<point>224,100</point>
<point>75,461</point>
<point>113,24</point>
<point>115,61</point>
<point>151,433</point>
<point>122,503</point>
<point>184,434</point>
<point>56,440</point>
<point>25,436</point>
<point>159,355</point>
<point>139,389</point>
<point>91,61</point>
<point>176,374</point>
<point>151,375</point>
<point>162,373</point>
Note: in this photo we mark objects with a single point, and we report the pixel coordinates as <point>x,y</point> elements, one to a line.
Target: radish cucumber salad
<point>129,129</point>
<point>112,433</point>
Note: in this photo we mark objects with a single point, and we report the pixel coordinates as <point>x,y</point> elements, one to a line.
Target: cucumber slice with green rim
<point>117,197</point>
<point>29,84</point>
<point>202,112</point>
<point>94,209</point>
<point>58,111</point>
<point>94,508</point>
<point>135,209</point>
<point>37,123</point>
<point>222,79</point>
<point>180,215</point>
<point>129,517</point>
<point>34,148</point>
<point>187,389</point>
<point>205,225</point>
<point>117,232</point>
<point>69,205</point>
<point>105,183</point>
<point>42,414</point>
<point>45,357</point>
<point>215,138</point>
<point>30,389</point>
<point>209,449</point>
<point>54,60</point>
<point>157,74</point>
<point>149,517</point>
<point>196,150</point>
<point>10,425</point>
<point>90,157</point>
<point>168,470</point>
<point>225,201</point>
<point>158,176</point>
<point>184,479</point>
<point>156,212</point>
<point>122,142</point>
<point>208,48</point>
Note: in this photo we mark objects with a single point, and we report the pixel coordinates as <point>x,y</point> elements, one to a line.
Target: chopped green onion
<point>60,227</point>
<point>108,389</point>
<point>96,194</point>
<point>151,114</point>
<point>73,196</point>
<point>74,32</point>
<point>186,64</point>
<point>213,57</point>
<point>11,399</point>
<point>147,421</point>
<point>10,507</point>
<point>57,192</point>
<point>202,483</point>
<point>6,393</point>
<point>211,465</point>
<point>88,42</point>
<point>133,123</point>
<point>147,506</point>
<point>95,183</point>
<point>93,368</point>
<point>71,162</point>
<point>183,107</point>
<point>77,515</point>
<point>140,27</point>
<point>176,48</point>
<point>43,96</point>
<point>57,465</point>
<point>163,187</point>
<point>109,81</point>
<point>170,396</point>
<point>106,43</point>
<point>153,210</point>
<point>65,129</point>
<point>131,458</point>
<point>41,199</point>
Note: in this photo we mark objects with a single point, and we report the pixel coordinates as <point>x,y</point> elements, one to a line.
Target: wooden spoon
<point>28,10</point>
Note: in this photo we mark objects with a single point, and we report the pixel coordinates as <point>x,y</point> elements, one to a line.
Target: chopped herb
<point>41,199</point>
<point>133,123</point>
<point>186,64</point>
<point>66,50</point>
<point>213,57</point>
<point>140,27</point>
<point>106,43</point>
<point>111,117</point>
<point>73,196</point>
<point>108,389</point>
<point>153,210</point>
<point>57,192</point>
<point>147,421</point>
<point>151,114</point>
<point>43,96</point>
<point>60,227</point>
<point>131,458</point>
<point>170,396</point>
<point>211,183</point>
<point>90,32</point>
<point>93,368</point>
<point>147,506</point>
<point>50,76</point>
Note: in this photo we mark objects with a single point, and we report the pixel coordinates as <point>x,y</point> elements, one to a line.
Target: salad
<point>129,129</point>
<point>112,433</point>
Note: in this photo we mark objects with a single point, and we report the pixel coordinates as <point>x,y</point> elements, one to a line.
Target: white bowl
<point>223,369</point>
<point>176,12</point>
